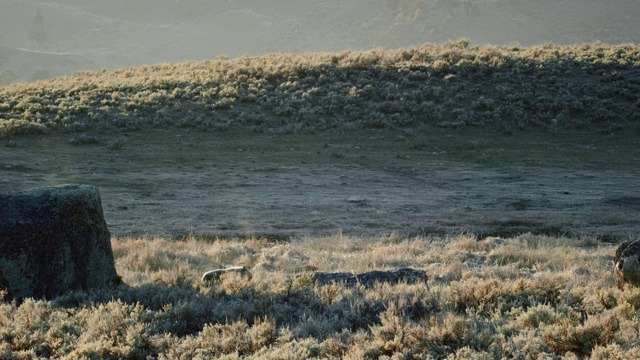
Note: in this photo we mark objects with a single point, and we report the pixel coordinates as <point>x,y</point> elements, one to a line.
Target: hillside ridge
<point>511,88</point>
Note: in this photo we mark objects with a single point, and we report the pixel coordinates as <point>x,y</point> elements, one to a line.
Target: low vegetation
<point>451,85</point>
<point>523,297</point>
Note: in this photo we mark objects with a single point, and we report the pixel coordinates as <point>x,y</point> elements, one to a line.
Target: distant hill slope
<point>122,33</point>
<point>452,85</point>
<point>27,65</point>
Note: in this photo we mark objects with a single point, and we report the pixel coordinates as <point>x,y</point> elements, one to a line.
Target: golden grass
<point>450,85</point>
<point>524,297</point>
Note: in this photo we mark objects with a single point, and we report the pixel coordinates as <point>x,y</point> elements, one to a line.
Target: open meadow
<point>507,174</point>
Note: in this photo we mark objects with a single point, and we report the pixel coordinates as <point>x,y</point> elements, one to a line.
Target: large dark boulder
<point>54,240</point>
<point>626,264</point>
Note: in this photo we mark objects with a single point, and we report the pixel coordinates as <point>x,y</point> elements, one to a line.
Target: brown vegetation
<point>523,297</point>
<point>451,85</point>
<point>527,296</point>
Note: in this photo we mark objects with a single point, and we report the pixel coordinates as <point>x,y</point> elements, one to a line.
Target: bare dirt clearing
<point>175,182</point>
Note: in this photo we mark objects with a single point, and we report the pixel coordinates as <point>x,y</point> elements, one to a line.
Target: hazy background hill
<point>41,39</point>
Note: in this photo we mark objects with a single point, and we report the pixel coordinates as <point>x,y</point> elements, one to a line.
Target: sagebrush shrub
<point>472,306</point>
<point>405,88</point>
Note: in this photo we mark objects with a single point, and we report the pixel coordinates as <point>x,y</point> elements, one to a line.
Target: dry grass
<point>522,297</point>
<point>451,85</point>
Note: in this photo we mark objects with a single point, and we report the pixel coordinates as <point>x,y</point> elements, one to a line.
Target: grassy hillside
<point>527,296</point>
<point>452,85</point>
<point>94,34</point>
<point>523,297</point>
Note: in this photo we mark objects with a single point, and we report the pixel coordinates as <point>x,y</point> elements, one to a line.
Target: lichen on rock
<point>626,264</point>
<point>54,240</point>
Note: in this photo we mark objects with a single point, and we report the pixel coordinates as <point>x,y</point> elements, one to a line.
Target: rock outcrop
<point>53,240</point>
<point>368,279</point>
<point>214,275</point>
<point>626,264</point>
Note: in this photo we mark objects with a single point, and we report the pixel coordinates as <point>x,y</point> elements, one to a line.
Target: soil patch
<point>177,182</point>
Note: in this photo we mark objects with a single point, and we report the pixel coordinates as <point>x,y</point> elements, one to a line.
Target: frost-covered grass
<point>451,85</point>
<point>522,297</point>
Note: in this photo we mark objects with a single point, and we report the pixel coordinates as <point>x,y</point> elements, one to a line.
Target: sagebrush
<point>451,85</point>
<point>522,297</point>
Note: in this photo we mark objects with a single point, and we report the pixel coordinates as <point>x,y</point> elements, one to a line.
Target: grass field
<point>507,174</point>
<point>521,297</point>
<point>452,85</point>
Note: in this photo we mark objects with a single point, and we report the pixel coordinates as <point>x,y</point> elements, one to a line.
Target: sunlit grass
<point>452,85</point>
<point>524,297</point>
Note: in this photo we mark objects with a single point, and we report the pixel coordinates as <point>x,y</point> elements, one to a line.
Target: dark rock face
<point>368,279</point>
<point>54,240</point>
<point>626,264</point>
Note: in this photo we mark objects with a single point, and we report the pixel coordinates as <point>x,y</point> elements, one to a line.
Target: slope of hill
<point>119,34</point>
<point>452,85</point>
<point>29,65</point>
